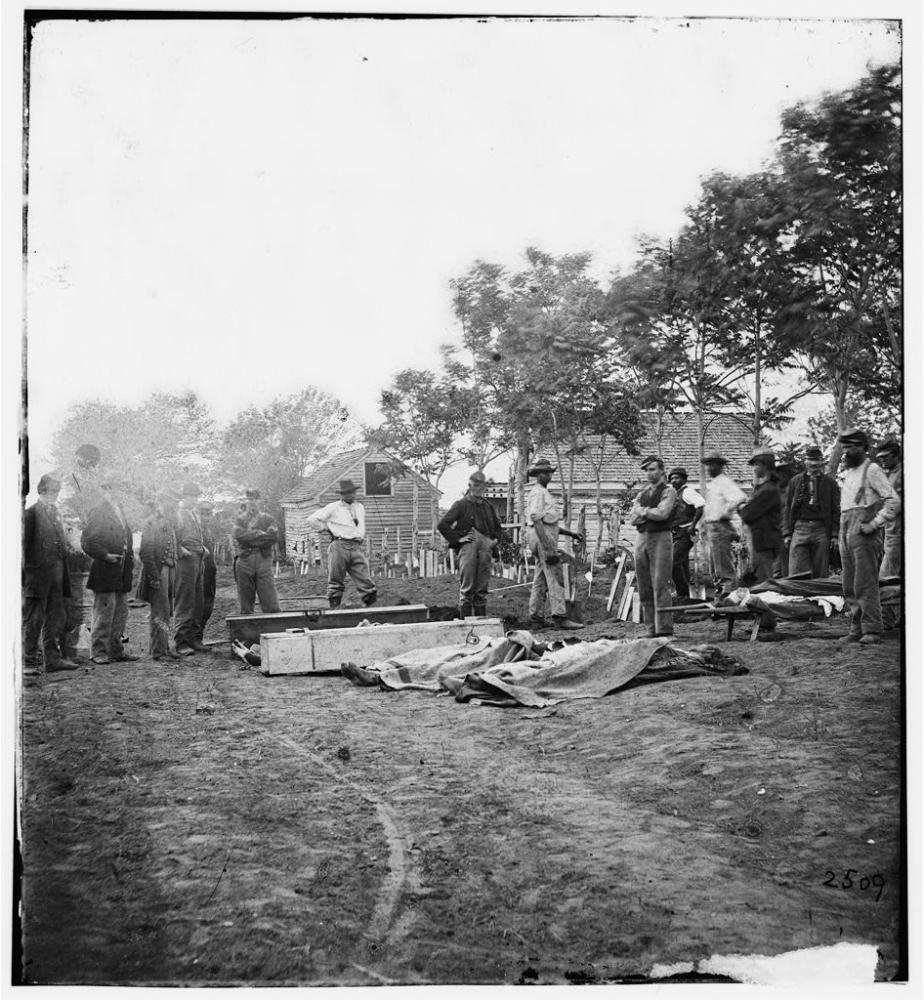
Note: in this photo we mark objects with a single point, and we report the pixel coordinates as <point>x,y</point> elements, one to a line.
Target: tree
<point>838,178</point>
<point>424,414</point>
<point>272,447</point>
<point>878,421</point>
<point>166,439</point>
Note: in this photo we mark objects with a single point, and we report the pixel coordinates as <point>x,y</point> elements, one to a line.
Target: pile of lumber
<point>624,596</point>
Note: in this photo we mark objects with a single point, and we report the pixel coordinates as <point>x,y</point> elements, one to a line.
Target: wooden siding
<point>382,512</point>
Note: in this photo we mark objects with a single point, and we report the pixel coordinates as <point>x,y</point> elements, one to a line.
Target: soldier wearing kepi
<point>811,516</point>
<point>472,529</point>
<point>543,517</point>
<point>345,522</point>
<point>868,503</point>
<point>652,514</point>
<point>254,536</point>
<point>45,582</point>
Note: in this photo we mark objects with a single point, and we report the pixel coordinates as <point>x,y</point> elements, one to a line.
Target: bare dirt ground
<point>199,823</point>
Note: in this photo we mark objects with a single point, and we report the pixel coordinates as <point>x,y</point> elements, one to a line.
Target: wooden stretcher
<point>731,616</point>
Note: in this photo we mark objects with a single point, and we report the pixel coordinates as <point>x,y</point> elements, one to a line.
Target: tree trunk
<point>522,463</point>
<point>840,416</point>
<point>757,414</point>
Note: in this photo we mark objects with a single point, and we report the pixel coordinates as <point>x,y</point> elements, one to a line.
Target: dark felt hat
<point>347,486</point>
<point>714,456</point>
<point>541,465</point>
<point>814,454</point>
<point>48,484</point>
<point>678,471</point>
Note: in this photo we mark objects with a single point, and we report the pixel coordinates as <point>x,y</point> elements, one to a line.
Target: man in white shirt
<point>687,513</point>
<point>723,496</point>
<point>543,515</point>
<point>345,521</point>
<point>868,503</point>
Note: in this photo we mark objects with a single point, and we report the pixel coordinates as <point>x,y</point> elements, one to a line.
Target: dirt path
<point>201,823</point>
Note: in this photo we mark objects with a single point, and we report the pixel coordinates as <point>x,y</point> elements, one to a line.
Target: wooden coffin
<point>308,652</point>
<point>249,628</point>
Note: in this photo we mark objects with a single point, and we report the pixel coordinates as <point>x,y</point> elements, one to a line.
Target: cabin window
<point>378,479</point>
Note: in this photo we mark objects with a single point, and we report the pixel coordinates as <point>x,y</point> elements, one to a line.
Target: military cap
<point>814,454</point>
<point>651,460</point>
<point>888,447</point>
<point>854,436</point>
<point>678,471</point>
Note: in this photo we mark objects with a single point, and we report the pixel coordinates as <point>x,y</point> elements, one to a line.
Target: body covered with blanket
<point>517,670</point>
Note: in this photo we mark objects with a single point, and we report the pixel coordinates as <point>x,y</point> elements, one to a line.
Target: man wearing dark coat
<point>811,517</point>
<point>209,567</point>
<point>45,582</point>
<point>107,540</point>
<point>157,583</point>
<point>472,528</point>
<point>761,514</point>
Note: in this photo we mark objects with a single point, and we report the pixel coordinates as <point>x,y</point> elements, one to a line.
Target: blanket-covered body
<point>516,670</point>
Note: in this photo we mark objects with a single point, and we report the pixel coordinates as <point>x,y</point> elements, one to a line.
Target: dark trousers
<point>253,574</point>
<point>809,549</point>
<point>209,576</point>
<point>474,574</point>
<point>43,620</point>
<point>680,566</point>
<point>653,572</point>
<point>188,604</point>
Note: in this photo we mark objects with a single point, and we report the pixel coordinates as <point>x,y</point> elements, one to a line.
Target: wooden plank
<point>308,652</point>
<point>617,576</point>
<point>626,601</point>
<point>249,628</point>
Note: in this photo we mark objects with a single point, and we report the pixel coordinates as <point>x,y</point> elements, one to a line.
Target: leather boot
<point>334,602</point>
<point>466,610</point>
<point>480,610</point>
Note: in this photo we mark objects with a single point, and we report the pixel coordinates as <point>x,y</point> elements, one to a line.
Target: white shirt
<point>541,504</point>
<point>692,497</point>
<point>337,518</point>
<point>723,495</point>
<point>878,488</point>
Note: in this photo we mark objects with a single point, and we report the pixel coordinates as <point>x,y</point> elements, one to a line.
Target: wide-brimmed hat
<point>541,465</point>
<point>477,477</point>
<point>714,456</point>
<point>853,435</point>
<point>763,454</point>
<point>347,486</point>
<point>814,454</point>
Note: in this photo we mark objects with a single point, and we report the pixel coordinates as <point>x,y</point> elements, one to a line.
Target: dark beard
<point>852,461</point>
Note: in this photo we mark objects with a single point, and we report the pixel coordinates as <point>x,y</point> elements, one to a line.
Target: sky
<point>245,207</point>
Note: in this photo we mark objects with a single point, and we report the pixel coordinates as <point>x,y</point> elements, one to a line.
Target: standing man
<point>652,514</point>
<point>543,517</point>
<point>45,583</point>
<point>345,521</point>
<point>761,513</point>
<point>189,596</point>
<point>157,582</point>
<point>868,503</point>
<point>687,513</point>
<point>107,540</point>
<point>811,516</point>
<point>889,457</point>
<point>209,567</point>
<point>472,529</point>
<point>254,535</point>
<point>723,497</point>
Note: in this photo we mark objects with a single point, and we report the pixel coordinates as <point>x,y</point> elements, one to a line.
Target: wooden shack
<point>401,506</point>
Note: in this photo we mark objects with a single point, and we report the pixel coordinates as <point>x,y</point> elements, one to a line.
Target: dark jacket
<point>829,503</point>
<point>158,548</point>
<point>104,534</point>
<point>254,532</point>
<point>43,545</point>
<point>462,516</point>
<point>762,515</point>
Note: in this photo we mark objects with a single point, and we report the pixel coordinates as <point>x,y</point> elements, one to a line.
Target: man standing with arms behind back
<point>723,496</point>
<point>472,528</point>
<point>811,517</point>
<point>107,540</point>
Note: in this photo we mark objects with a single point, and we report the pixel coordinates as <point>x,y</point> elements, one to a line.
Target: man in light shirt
<point>868,503</point>
<point>543,517</point>
<point>345,521</point>
<point>889,458</point>
<point>723,496</point>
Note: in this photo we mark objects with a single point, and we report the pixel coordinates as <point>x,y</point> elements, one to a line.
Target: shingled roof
<point>725,432</point>
<point>326,475</point>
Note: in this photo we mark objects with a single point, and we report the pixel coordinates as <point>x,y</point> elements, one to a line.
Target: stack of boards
<point>624,596</point>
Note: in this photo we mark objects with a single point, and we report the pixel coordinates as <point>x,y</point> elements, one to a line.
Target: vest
<point>651,498</point>
<point>683,512</point>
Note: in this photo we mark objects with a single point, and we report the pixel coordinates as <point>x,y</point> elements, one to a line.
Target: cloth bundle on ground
<point>518,671</point>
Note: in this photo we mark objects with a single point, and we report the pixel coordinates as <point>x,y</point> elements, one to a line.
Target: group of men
<point>787,534</point>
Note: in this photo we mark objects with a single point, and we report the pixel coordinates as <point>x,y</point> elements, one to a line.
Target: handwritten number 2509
<point>864,883</point>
